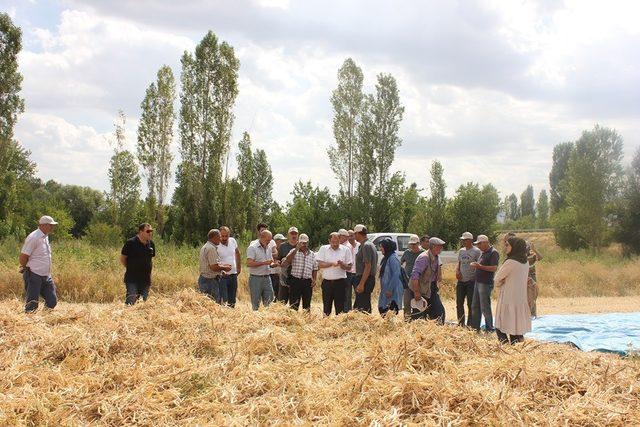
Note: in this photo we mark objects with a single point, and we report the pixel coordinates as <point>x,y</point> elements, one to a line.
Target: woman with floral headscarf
<point>391,289</point>
<point>513,316</point>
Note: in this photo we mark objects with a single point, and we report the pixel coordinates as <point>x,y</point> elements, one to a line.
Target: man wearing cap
<point>302,274</point>
<point>136,256</point>
<point>211,267</point>
<point>408,259</point>
<point>466,276</point>
<point>426,274</point>
<point>351,274</point>
<point>485,268</point>
<point>335,260</point>
<point>260,261</point>
<point>229,254</point>
<point>277,271</point>
<point>348,290</point>
<point>35,266</point>
<point>366,268</point>
<point>285,288</point>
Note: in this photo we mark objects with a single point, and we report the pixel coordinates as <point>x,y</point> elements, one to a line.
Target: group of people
<point>285,269</point>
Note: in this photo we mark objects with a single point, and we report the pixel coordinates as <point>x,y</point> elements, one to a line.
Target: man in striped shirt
<point>302,277</point>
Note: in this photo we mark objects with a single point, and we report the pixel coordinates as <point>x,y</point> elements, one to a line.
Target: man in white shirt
<point>229,253</point>
<point>260,262</point>
<point>335,260</point>
<point>35,266</point>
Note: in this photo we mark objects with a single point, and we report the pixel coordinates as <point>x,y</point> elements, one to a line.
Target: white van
<point>402,242</point>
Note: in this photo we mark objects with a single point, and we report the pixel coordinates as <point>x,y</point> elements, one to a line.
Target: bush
<point>565,232</point>
<point>103,234</point>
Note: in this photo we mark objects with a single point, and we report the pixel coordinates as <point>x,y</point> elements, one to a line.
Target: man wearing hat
<point>136,256</point>
<point>466,276</point>
<point>35,266</point>
<point>283,250</point>
<point>485,268</point>
<point>303,273</point>
<point>427,273</point>
<point>366,267</point>
<point>408,259</point>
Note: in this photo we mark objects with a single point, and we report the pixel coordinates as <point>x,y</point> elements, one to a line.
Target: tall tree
<point>124,179</point>
<point>16,169</point>
<point>558,174</point>
<point>473,209</point>
<point>513,212</point>
<point>347,101</point>
<point>209,87</point>
<point>411,203</point>
<point>594,178</point>
<point>628,232</point>
<point>263,184</point>
<point>313,210</point>
<point>246,178</point>
<point>527,202</point>
<point>155,134</point>
<point>437,204</point>
<point>542,209</point>
<point>386,111</point>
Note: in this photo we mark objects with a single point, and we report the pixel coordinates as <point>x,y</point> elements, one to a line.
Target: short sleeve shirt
<point>36,245</point>
<point>367,253</point>
<point>328,254</point>
<point>227,254</point>
<point>303,264</point>
<point>209,256</point>
<point>139,260</point>
<point>409,259</point>
<point>489,257</point>
<point>466,257</point>
<point>259,253</point>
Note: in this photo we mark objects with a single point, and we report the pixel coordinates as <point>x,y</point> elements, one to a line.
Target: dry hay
<point>186,360</point>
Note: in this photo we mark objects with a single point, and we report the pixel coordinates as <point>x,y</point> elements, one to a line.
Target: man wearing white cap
<point>408,259</point>
<point>284,249</point>
<point>485,268</point>
<point>466,276</point>
<point>303,273</point>
<point>35,266</point>
<point>427,273</point>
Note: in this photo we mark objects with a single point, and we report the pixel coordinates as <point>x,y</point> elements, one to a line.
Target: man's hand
<point>416,295</point>
<point>458,275</point>
<point>360,288</point>
<point>21,269</point>
<point>313,283</point>
<point>474,264</point>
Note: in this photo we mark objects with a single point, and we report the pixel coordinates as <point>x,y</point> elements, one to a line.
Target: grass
<point>86,273</point>
<point>185,360</point>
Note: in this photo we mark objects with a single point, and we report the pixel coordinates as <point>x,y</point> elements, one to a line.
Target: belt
<point>300,278</point>
<point>334,280</point>
<point>260,275</point>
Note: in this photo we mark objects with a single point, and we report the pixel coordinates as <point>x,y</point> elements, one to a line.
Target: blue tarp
<point>611,332</point>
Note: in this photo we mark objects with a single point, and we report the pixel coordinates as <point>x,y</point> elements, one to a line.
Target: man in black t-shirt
<point>136,256</point>
<point>283,251</point>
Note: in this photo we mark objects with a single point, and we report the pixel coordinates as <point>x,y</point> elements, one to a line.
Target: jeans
<point>464,290</point>
<point>300,288</point>
<point>481,306</point>
<point>333,293</point>
<point>348,292</point>
<point>261,290</point>
<point>209,287</point>
<point>363,300</point>
<point>510,339</point>
<point>135,291</point>
<point>36,285</point>
<point>275,283</point>
<point>229,289</point>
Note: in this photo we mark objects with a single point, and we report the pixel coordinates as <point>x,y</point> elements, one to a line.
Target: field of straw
<point>186,360</point>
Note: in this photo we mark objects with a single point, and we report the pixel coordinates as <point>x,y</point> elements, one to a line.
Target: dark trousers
<point>436,309</point>
<point>348,292</point>
<point>464,290</point>
<point>36,285</point>
<point>504,339</point>
<point>333,294</point>
<point>300,289</point>
<point>363,300</point>
<point>135,291</point>
<point>275,283</point>
<point>229,289</point>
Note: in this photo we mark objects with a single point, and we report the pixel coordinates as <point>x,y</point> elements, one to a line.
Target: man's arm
<point>252,263</point>
<point>314,277</point>
<point>238,261</point>
<point>123,260</point>
<point>490,268</point>
<point>458,273</point>
<point>365,275</point>
<point>23,259</point>
<point>289,258</point>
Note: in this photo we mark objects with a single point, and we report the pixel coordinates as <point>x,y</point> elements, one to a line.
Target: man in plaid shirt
<point>302,277</point>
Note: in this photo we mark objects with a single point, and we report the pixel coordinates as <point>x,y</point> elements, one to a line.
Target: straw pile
<point>185,360</point>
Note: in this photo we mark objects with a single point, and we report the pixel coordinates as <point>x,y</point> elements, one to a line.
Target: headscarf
<point>518,250</point>
<point>389,249</point>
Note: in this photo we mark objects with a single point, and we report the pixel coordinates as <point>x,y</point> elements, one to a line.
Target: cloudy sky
<point>489,87</point>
